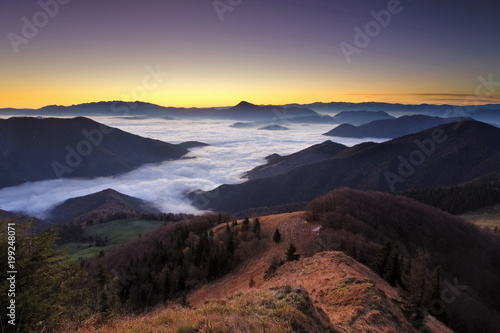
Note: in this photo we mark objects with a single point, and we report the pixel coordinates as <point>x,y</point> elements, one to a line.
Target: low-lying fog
<point>232,152</point>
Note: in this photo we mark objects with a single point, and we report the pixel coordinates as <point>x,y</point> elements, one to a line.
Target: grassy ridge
<point>275,311</point>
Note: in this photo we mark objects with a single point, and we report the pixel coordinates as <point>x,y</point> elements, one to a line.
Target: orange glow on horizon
<point>19,100</point>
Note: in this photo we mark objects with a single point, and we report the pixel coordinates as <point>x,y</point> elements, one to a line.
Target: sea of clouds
<point>232,151</point>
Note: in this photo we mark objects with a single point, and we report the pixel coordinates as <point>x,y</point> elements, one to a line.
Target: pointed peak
<point>245,104</point>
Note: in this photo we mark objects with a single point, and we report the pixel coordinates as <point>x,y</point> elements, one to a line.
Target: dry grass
<point>293,228</point>
<point>278,310</point>
<point>354,298</point>
<point>346,296</point>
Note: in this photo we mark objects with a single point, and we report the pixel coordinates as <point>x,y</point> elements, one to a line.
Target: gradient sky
<point>264,51</point>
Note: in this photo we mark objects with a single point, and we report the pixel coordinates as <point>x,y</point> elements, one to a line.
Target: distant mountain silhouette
<point>38,149</point>
<point>140,110</point>
<point>280,164</point>
<point>93,206</point>
<point>487,115</point>
<point>274,128</point>
<point>391,128</point>
<point>442,110</point>
<point>245,125</point>
<point>442,156</point>
<point>245,110</point>
<point>313,119</point>
<point>360,117</point>
<point>192,144</point>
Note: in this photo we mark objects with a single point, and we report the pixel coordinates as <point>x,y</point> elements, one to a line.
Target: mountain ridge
<point>33,149</point>
<point>391,128</point>
<point>101,204</point>
<point>465,151</point>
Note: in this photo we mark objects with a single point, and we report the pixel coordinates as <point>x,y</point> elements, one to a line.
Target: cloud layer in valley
<point>232,151</point>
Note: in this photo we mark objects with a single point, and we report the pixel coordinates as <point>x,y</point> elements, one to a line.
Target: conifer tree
<point>256,227</point>
<point>436,283</point>
<point>45,280</point>
<point>277,236</point>
<point>245,225</point>
<point>290,253</point>
<point>380,261</point>
<point>416,299</point>
<point>392,270</point>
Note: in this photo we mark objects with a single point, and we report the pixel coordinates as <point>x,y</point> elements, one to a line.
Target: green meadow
<point>119,232</point>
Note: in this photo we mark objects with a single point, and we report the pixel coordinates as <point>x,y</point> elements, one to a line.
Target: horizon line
<point>477,102</point>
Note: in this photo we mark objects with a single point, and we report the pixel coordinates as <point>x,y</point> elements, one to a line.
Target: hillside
<point>352,296</point>
<point>94,206</point>
<point>390,128</point>
<point>466,255</point>
<point>275,311</point>
<point>281,164</point>
<point>357,118</point>
<point>329,292</point>
<point>470,196</point>
<point>34,149</point>
<point>359,223</point>
<point>442,156</point>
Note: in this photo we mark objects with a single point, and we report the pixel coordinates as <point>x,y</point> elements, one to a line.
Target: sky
<point>202,53</point>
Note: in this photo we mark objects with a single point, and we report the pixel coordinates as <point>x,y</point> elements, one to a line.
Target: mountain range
<point>440,156</point>
<point>360,117</point>
<point>279,164</point>
<point>135,110</point>
<point>299,113</point>
<point>428,109</point>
